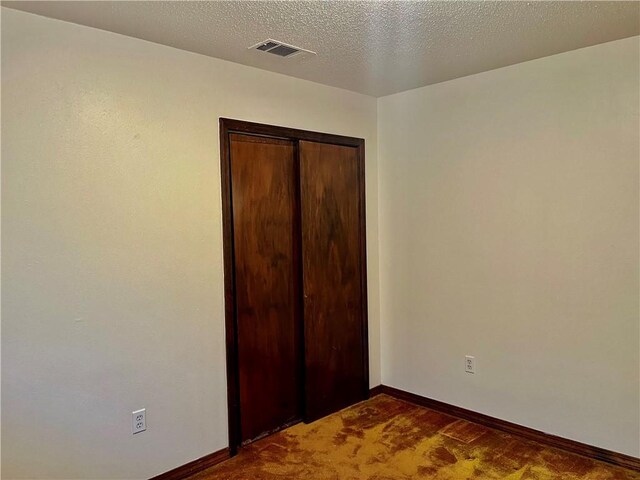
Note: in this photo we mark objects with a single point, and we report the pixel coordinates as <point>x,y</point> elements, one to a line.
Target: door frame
<point>228,126</point>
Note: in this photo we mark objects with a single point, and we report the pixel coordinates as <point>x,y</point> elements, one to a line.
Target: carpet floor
<point>388,439</point>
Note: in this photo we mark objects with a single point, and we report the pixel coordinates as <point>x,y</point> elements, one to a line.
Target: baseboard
<point>195,466</point>
<point>377,390</point>
<point>572,446</point>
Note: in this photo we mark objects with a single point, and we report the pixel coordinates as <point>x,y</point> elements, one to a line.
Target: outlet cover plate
<point>470,364</point>
<point>139,421</point>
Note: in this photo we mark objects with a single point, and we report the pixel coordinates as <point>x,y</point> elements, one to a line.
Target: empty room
<point>320,240</point>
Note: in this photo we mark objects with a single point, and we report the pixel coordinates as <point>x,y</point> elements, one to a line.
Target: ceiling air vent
<point>280,48</point>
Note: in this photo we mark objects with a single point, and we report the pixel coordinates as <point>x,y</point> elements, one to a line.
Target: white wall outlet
<point>470,364</point>
<point>139,421</point>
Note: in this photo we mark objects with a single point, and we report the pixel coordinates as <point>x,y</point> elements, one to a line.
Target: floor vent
<point>280,49</point>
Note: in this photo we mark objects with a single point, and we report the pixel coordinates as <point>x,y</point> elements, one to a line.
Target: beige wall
<point>112,297</point>
<point>509,231</point>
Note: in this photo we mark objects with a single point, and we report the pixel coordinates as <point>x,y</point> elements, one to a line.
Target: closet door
<point>331,194</point>
<point>266,265</point>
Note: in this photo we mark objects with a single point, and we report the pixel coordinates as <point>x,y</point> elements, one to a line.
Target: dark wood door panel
<point>334,312</point>
<point>270,377</point>
<point>263,191</point>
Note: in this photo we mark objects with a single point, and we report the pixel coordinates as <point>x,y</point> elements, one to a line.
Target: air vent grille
<point>267,46</point>
<point>280,49</point>
<point>283,51</point>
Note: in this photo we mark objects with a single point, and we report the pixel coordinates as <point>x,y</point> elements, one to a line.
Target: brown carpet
<point>388,439</point>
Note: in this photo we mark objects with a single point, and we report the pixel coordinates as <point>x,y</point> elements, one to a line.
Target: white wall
<point>509,231</point>
<point>111,230</point>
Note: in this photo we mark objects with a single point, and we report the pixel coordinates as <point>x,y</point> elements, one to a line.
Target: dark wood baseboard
<point>572,446</point>
<point>377,390</point>
<point>195,466</point>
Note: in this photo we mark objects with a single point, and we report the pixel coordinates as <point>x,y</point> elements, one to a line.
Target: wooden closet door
<point>331,191</point>
<point>266,253</point>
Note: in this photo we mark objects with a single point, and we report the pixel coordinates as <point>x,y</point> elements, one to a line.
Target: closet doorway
<point>295,276</point>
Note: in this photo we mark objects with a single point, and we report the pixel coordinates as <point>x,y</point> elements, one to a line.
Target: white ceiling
<point>376,48</point>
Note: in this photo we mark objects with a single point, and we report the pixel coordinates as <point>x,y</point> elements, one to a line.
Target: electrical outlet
<point>470,364</point>
<point>139,421</point>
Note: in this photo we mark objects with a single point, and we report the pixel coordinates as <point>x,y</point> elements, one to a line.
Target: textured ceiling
<point>377,48</point>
